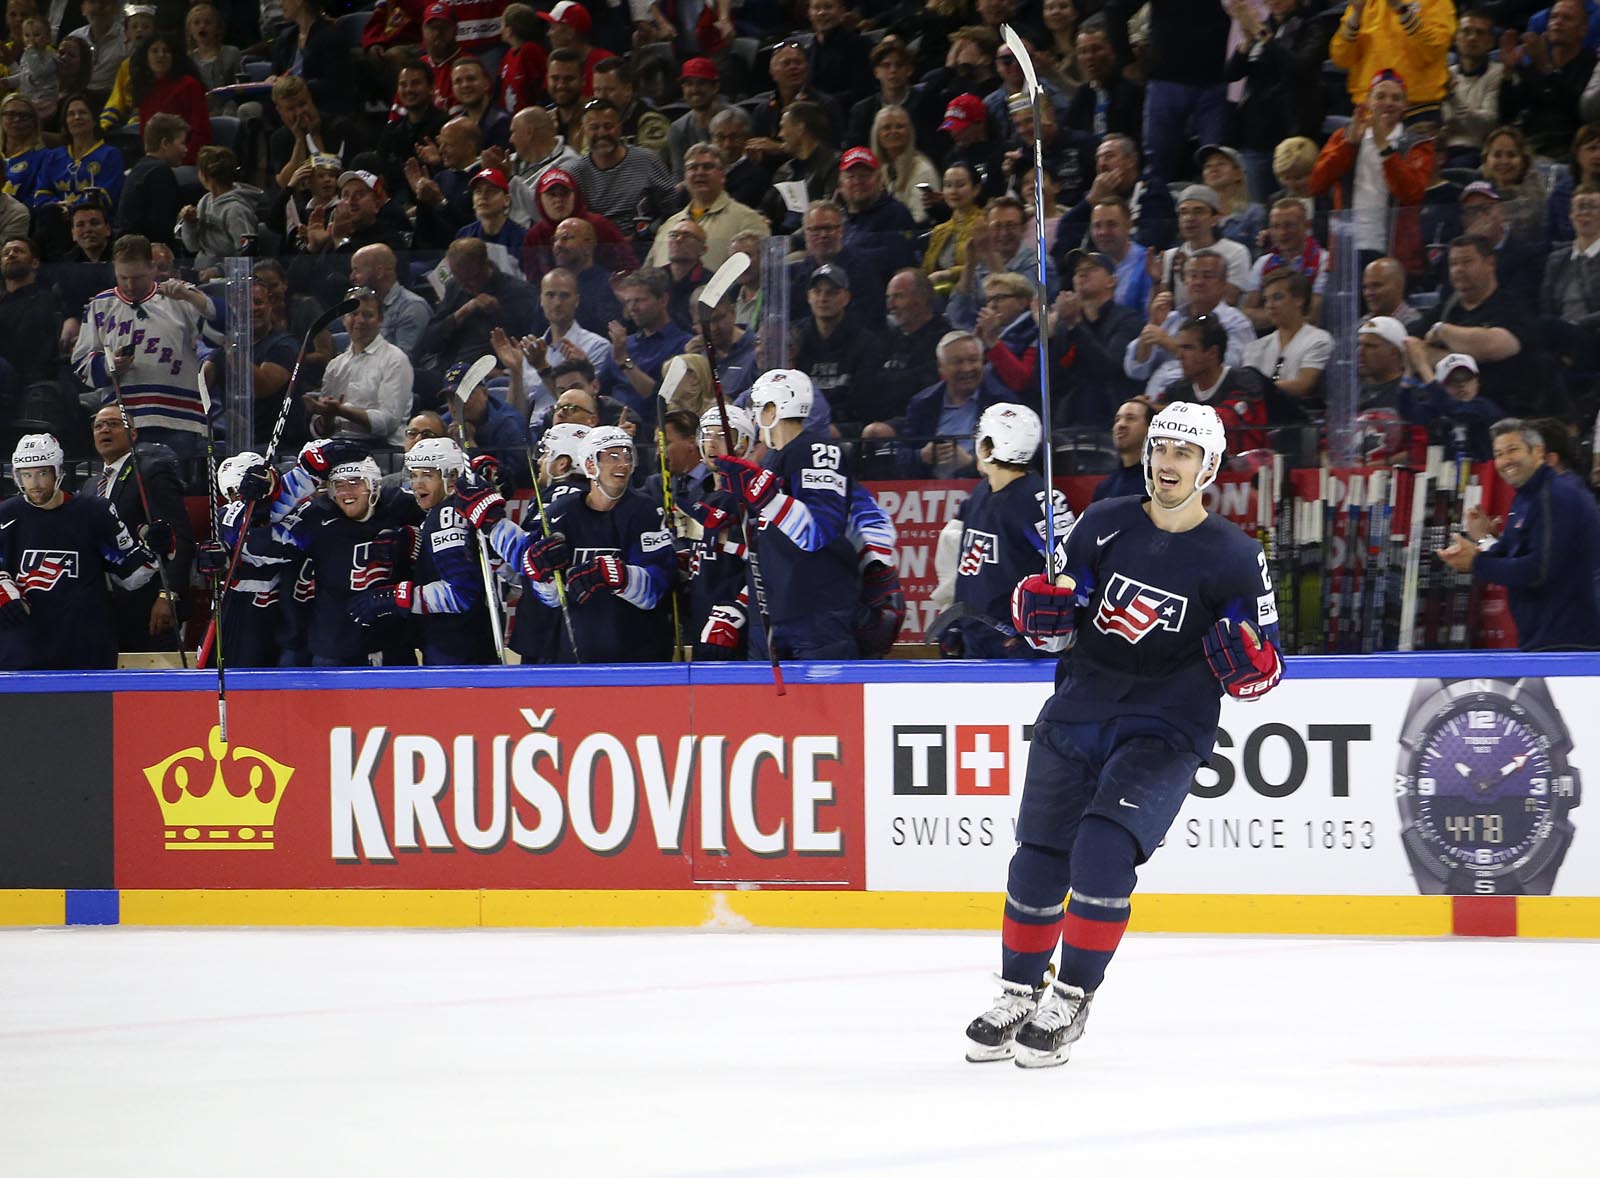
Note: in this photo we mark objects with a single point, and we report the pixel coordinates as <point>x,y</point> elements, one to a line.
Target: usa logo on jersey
<point>364,571</point>
<point>977,549</point>
<point>1133,609</point>
<point>43,567</point>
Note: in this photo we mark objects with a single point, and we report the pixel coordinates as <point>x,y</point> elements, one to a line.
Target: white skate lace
<point>1012,1007</point>
<point>1056,1011</point>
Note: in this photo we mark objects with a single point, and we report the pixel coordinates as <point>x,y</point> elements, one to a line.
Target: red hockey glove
<point>755,485</point>
<point>14,609</point>
<point>319,457</point>
<point>716,511</point>
<point>543,559</point>
<point>723,633</point>
<point>606,573</point>
<point>880,583</point>
<point>1246,666</point>
<point>486,470</point>
<point>388,602</point>
<point>479,502</point>
<point>1042,611</point>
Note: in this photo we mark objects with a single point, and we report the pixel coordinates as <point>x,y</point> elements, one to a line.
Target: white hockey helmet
<point>230,471</point>
<point>788,390</point>
<point>601,439</point>
<point>739,421</point>
<point>364,469</point>
<point>564,440</point>
<point>1013,432</point>
<point>35,450</point>
<point>440,454</point>
<point>1199,425</point>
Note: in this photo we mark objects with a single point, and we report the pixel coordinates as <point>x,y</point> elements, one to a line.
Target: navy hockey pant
<point>1096,802</point>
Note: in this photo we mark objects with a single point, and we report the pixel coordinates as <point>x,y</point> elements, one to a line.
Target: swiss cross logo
<point>982,754</point>
<point>364,571</point>
<point>43,567</point>
<point>1133,609</point>
<point>977,549</point>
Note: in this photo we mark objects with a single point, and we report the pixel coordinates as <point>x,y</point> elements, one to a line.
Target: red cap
<point>965,110</point>
<point>490,176</point>
<point>699,67</point>
<point>858,157</point>
<point>438,12</point>
<point>574,16</point>
<point>552,177</point>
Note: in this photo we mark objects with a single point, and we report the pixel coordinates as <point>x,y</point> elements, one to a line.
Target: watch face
<point>1485,786</point>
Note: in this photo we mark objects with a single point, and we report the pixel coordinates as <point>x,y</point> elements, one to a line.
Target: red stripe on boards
<point>1483,916</point>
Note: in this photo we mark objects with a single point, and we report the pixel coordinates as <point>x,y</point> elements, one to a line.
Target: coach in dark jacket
<point>1547,554</point>
<point>142,620</point>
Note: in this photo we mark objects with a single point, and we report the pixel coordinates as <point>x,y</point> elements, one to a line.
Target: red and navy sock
<point>1103,874</point>
<point>1035,890</point>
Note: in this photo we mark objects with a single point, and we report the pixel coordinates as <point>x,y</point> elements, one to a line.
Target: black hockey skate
<point>1046,1037</point>
<point>992,1034</point>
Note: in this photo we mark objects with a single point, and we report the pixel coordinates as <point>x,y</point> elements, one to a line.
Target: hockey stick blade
<point>671,377</point>
<point>205,390</point>
<point>337,312</point>
<point>722,281</point>
<point>1019,50</point>
<point>956,613</point>
<point>474,376</point>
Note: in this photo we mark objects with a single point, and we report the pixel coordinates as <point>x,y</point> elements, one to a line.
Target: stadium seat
<point>225,132</point>
<point>350,26</point>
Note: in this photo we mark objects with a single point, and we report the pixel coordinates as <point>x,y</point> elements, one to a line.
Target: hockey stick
<point>959,610</point>
<point>144,502</point>
<point>671,377</point>
<point>213,513</point>
<point>561,581</point>
<point>322,321</point>
<point>470,380</point>
<point>1035,94</point>
<point>721,282</point>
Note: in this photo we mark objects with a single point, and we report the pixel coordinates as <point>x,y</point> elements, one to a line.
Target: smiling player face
<point>352,495</point>
<point>427,484</point>
<point>1174,468</point>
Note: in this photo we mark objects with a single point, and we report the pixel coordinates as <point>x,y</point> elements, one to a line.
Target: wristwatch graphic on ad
<point>1485,787</point>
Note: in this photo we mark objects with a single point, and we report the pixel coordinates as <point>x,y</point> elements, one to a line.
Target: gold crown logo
<point>218,812</point>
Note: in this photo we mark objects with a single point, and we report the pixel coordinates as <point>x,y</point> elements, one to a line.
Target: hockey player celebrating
<point>251,609</point>
<point>1164,607</point>
<point>801,497</point>
<point>356,537</point>
<point>1002,532</point>
<point>618,550</point>
<point>561,453</point>
<point>445,594</point>
<point>56,550</point>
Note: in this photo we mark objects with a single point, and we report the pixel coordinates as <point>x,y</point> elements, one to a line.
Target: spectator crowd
<point>553,186</point>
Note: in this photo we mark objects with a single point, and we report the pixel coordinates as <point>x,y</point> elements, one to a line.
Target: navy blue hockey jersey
<point>631,625</point>
<point>1002,541</point>
<point>60,559</point>
<point>808,563</point>
<point>1146,600</point>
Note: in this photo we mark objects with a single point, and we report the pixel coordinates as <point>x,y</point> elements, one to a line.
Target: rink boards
<point>875,795</point>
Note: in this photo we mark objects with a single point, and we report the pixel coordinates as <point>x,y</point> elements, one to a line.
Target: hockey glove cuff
<point>259,484</point>
<point>880,583</point>
<point>715,512</point>
<point>1246,665</point>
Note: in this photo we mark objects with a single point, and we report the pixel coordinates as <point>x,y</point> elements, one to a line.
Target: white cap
<point>1455,360</point>
<point>565,438</point>
<point>364,469</point>
<point>440,454</point>
<point>35,450</point>
<point>1386,328</point>
<point>1014,432</point>
<point>230,471</point>
<point>1199,425</point>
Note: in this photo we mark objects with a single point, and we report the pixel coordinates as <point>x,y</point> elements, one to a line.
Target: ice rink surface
<point>231,1053</point>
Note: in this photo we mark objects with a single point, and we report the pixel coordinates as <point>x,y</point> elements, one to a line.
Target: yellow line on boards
<point>32,907</point>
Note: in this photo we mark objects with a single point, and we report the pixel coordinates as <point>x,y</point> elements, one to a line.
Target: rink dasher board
<point>874,796</point>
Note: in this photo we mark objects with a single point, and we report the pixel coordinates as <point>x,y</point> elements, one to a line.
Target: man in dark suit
<point>143,618</point>
<point>1569,295</point>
